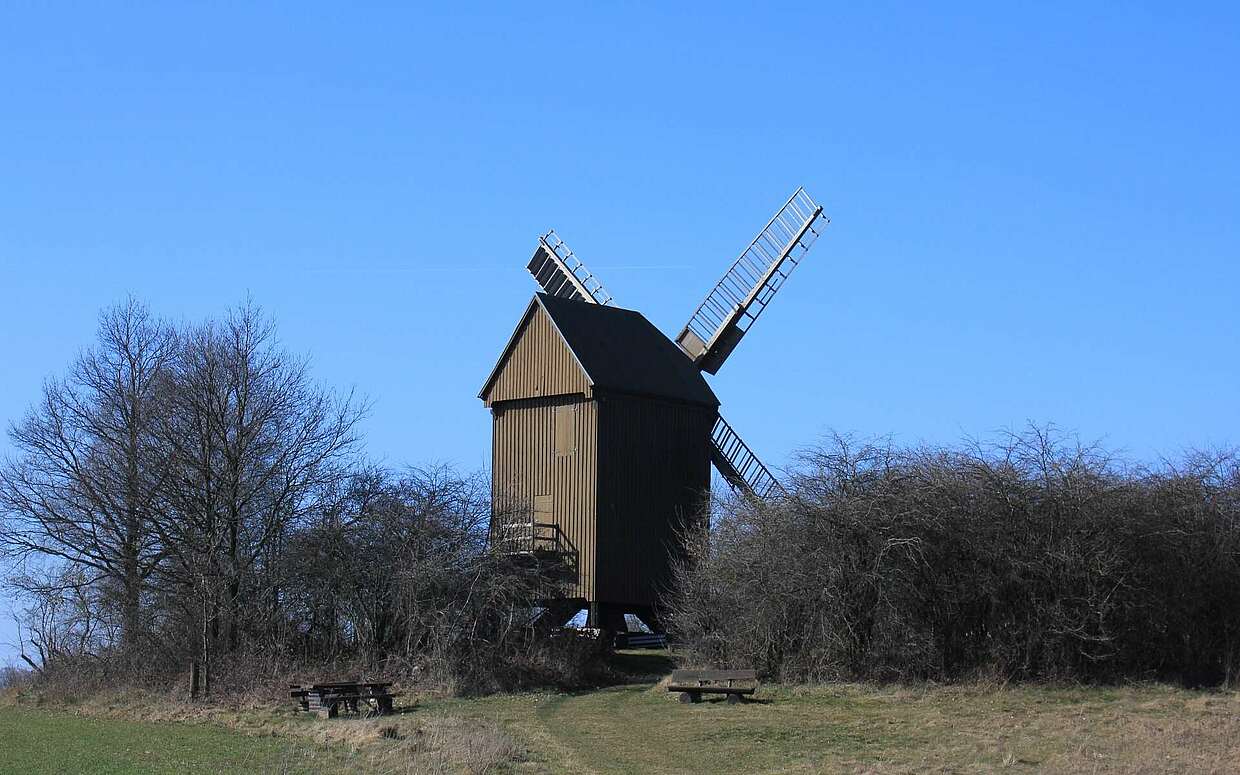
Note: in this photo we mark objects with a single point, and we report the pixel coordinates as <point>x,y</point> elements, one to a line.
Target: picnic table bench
<point>692,684</point>
<point>327,698</point>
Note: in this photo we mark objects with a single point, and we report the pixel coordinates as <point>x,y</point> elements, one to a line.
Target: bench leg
<point>734,699</point>
<point>688,697</point>
<point>330,710</point>
<point>385,706</point>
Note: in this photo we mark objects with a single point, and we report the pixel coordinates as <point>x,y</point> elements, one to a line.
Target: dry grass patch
<point>447,744</point>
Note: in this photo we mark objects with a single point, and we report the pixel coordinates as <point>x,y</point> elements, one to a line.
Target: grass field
<point>43,741</point>
<point>640,728</point>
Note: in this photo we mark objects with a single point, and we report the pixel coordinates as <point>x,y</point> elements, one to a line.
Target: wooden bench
<point>641,640</point>
<point>692,684</point>
<point>327,699</point>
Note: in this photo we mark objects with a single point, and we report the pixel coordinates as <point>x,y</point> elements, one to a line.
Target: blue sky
<point>1033,207</point>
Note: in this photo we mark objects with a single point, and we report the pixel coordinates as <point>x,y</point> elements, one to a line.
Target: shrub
<point>1030,559</point>
<point>12,678</point>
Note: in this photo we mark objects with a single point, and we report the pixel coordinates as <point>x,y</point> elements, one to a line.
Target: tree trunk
<point>234,581</point>
<point>206,642</point>
<point>131,604</point>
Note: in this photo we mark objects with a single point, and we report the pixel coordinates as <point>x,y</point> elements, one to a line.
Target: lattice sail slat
<point>560,273</point>
<point>738,464</point>
<point>743,292</point>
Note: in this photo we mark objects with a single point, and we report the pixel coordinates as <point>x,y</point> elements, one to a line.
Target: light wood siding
<point>654,466</point>
<point>539,365</point>
<point>525,464</point>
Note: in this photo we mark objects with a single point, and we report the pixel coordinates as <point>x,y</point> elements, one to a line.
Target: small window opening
<point>566,430</point>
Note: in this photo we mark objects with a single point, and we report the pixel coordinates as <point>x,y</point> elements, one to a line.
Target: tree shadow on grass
<point>641,665</point>
<point>722,699</point>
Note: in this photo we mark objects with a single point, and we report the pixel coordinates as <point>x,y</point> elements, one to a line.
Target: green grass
<point>641,728</point>
<point>661,735</point>
<point>46,741</point>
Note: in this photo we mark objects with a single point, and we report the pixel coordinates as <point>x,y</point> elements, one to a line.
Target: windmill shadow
<point>642,667</point>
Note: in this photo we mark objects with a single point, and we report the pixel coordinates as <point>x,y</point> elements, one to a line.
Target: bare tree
<point>87,476</point>
<point>194,490</point>
<point>254,445</point>
<point>60,623</point>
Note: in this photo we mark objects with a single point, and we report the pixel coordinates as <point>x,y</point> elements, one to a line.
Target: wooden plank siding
<point>653,468</point>
<point>538,363</point>
<point>526,463</point>
<point>618,457</point>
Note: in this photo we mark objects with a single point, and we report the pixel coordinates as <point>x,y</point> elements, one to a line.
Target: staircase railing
<point>544,542</point>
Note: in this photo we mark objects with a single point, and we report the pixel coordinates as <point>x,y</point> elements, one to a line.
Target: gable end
<point>536,362</point>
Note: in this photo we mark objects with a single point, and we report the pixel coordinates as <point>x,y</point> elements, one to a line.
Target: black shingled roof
<point>622,351</point>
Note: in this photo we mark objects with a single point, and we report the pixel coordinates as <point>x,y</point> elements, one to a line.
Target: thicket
<point>1033,558</point>
<point>190,493</point>
<point>11,677</point>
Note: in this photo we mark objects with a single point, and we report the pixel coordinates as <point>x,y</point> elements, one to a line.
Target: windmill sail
<point>560,273</point>
<point>737,463</point>
<point>747,287</point>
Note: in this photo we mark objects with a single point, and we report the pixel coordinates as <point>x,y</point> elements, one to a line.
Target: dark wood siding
<point>654,466</point>
<point>619,472</point>
<point>526,464</point>
<point>538,365</point>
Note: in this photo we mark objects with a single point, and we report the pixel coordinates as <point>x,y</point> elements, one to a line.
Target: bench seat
<point>692,684</point>
<point>707,689</point>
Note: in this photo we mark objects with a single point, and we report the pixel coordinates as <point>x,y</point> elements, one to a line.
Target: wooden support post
<point>193,679</point>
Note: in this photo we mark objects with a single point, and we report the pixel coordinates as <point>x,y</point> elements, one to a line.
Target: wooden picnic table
<point>327,698</point>
<point>692,684</point>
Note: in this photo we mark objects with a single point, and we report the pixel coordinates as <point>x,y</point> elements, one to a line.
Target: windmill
<point>604,429</point>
